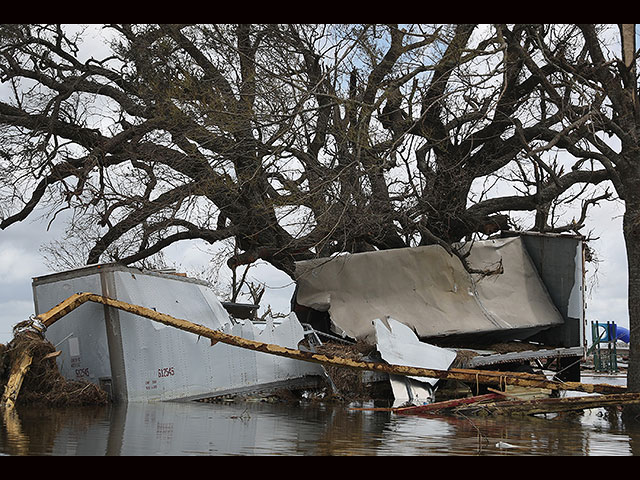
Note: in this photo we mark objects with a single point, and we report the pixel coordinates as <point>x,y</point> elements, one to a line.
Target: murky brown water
<point>276,429</point>
<point>264,429</point>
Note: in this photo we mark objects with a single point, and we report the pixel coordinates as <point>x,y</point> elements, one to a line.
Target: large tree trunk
<point>632,241</point>
<point>630,174</point>
<point>631,228</point>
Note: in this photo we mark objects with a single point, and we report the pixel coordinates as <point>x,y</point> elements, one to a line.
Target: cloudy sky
<point>21,259</point>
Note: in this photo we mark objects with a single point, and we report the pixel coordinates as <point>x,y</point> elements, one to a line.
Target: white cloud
<point>17,263</point>
<point>12,312</point>
<point>20,261</point>
<point>607,300</point>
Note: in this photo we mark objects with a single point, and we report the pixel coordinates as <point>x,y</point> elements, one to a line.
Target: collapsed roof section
<point>431,292</point>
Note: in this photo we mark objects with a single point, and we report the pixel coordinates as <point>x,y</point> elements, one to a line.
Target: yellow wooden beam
<point>484,377</point>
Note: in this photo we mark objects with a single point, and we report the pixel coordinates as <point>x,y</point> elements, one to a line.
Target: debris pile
<point>498,403</point>
<point>348,384</point>
<point>28,366</point>
<point>41,382</point>
<point>463,357</point>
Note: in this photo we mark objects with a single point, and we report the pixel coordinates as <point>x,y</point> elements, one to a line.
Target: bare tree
<point>296,140</point>
<point>293,140</point>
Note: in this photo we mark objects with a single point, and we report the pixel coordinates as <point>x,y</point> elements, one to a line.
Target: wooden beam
<point>449,404</point>
<point>484,377</point>
<point>550,405</point>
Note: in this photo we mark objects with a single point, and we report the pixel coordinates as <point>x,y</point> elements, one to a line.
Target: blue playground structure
<point>603,348</point>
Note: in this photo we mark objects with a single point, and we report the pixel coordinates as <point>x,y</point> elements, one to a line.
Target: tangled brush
<point>43,384</point>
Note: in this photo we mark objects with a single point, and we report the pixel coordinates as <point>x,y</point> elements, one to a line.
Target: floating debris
<point>502,445</point>
<point>548,405</point>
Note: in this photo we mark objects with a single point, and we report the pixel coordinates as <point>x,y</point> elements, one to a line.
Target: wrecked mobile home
<point>418,308</point>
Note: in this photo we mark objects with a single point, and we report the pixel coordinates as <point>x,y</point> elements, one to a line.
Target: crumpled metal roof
<point>429,290</point>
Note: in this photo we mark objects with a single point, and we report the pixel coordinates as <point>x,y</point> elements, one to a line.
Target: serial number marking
<point>166,372</point>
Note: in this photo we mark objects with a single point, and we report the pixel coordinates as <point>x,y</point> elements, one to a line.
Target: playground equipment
<point>604,349</point>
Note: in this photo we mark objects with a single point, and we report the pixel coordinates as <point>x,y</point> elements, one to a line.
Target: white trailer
<point>138,360</point>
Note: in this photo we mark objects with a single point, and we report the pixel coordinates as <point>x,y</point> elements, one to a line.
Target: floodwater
<point>257,428</point>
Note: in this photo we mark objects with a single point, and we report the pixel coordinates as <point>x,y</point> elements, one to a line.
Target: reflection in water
<point>268,429</point>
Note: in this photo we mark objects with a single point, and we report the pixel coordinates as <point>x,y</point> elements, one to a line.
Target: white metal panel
<point>172,295</point>
<point>575,304</point>
<point>407,391</point>
<point>399,345</point>
<point>284,334</point>
<point>81,335</point>
<point>430,290</point>
<point>164,363</point>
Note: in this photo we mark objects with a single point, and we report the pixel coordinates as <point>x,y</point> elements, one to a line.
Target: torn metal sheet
<point>407,391</point>
<point>430,291</point>
<point>559,259</point>
<point>399,345</point>
<point>523,356</point>
<point>142,360</point>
